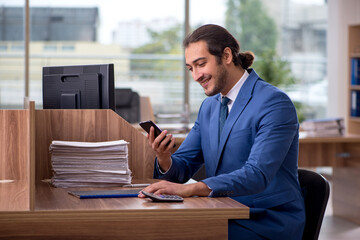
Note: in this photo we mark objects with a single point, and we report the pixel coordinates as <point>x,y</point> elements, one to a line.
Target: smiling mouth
<point>205,82</point>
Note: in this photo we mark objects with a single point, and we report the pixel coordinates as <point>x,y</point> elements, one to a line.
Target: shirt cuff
<point>158,166</point>
<point>211,193</point>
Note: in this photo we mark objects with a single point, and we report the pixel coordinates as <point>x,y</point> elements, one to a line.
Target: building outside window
<point>144,43</point>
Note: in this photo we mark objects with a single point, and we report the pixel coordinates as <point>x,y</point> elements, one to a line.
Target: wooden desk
<point>31,209</point>
<point>329,151</point>
<point>14,196</point>
<point>58,215</point>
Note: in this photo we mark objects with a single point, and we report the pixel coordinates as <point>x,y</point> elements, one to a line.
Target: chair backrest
<point>316,192</point>
<point>127,104</point>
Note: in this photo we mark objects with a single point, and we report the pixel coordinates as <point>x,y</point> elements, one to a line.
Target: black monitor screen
<point>79,87</point>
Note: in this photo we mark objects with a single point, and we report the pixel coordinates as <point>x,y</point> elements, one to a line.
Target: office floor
<point>334,228</point>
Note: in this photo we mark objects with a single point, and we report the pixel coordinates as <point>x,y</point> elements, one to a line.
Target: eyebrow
<point>196,60</point>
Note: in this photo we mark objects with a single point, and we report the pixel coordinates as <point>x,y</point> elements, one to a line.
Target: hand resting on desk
<point>184,190</point>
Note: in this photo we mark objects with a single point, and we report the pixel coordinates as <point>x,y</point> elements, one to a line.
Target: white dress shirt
<point>232,94</point>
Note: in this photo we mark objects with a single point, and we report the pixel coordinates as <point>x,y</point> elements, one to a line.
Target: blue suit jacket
<point>253,161</point>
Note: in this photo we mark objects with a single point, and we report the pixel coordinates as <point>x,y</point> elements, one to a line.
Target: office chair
<point>127,104</point>
<point>316,192</point>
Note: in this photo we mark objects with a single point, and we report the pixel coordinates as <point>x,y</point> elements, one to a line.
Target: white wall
<point>342,13</point>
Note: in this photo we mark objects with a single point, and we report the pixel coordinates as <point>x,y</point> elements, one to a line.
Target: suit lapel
<point>214,130</point>
<point>238,107</point>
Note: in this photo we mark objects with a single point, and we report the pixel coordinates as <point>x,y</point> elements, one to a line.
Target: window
<point>68,48</point>
<point>145,45</point>
<point>17,48</point>
<point>12,54</point>
<point>3,48</point>
<point>50,48</point>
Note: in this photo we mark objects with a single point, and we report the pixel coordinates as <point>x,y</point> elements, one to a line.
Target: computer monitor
<point>79,87</point>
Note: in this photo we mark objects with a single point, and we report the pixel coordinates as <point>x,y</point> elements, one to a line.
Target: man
<point>252,158</point>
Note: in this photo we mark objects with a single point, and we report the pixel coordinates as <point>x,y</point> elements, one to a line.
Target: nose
<point>197,75</point>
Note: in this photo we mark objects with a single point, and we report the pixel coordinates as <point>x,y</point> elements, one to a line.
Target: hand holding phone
<point>146,125</point>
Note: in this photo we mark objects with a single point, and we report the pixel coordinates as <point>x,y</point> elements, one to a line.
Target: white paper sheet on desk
<point>78,167</point>
<point>80,160</point>
<point>111,171</point>
<point>95,150</point>
<point>88,167</point>
<point>89,144</point>
<point>69,171</point>
<point>81,157</point>
<point>95,180</point>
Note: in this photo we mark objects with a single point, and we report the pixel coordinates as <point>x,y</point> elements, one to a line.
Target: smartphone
<point>146,126</point>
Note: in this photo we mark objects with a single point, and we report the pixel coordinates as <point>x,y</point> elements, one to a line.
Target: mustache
<point>203,77</point>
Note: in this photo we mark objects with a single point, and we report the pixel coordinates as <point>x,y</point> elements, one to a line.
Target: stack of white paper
<point>90,164</point>
<point>328,127</point>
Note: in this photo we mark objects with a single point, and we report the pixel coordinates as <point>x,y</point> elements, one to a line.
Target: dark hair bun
<point>246,59</point>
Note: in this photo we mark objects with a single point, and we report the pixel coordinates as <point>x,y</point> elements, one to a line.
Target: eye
<point>202,64</point>
<point>189,69</point>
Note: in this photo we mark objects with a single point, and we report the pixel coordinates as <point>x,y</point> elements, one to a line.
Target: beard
<point>219,81</point>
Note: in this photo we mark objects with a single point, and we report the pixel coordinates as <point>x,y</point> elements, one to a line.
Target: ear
<point>227,55</point>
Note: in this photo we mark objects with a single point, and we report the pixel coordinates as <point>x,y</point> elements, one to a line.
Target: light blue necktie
<point>223,112</point>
